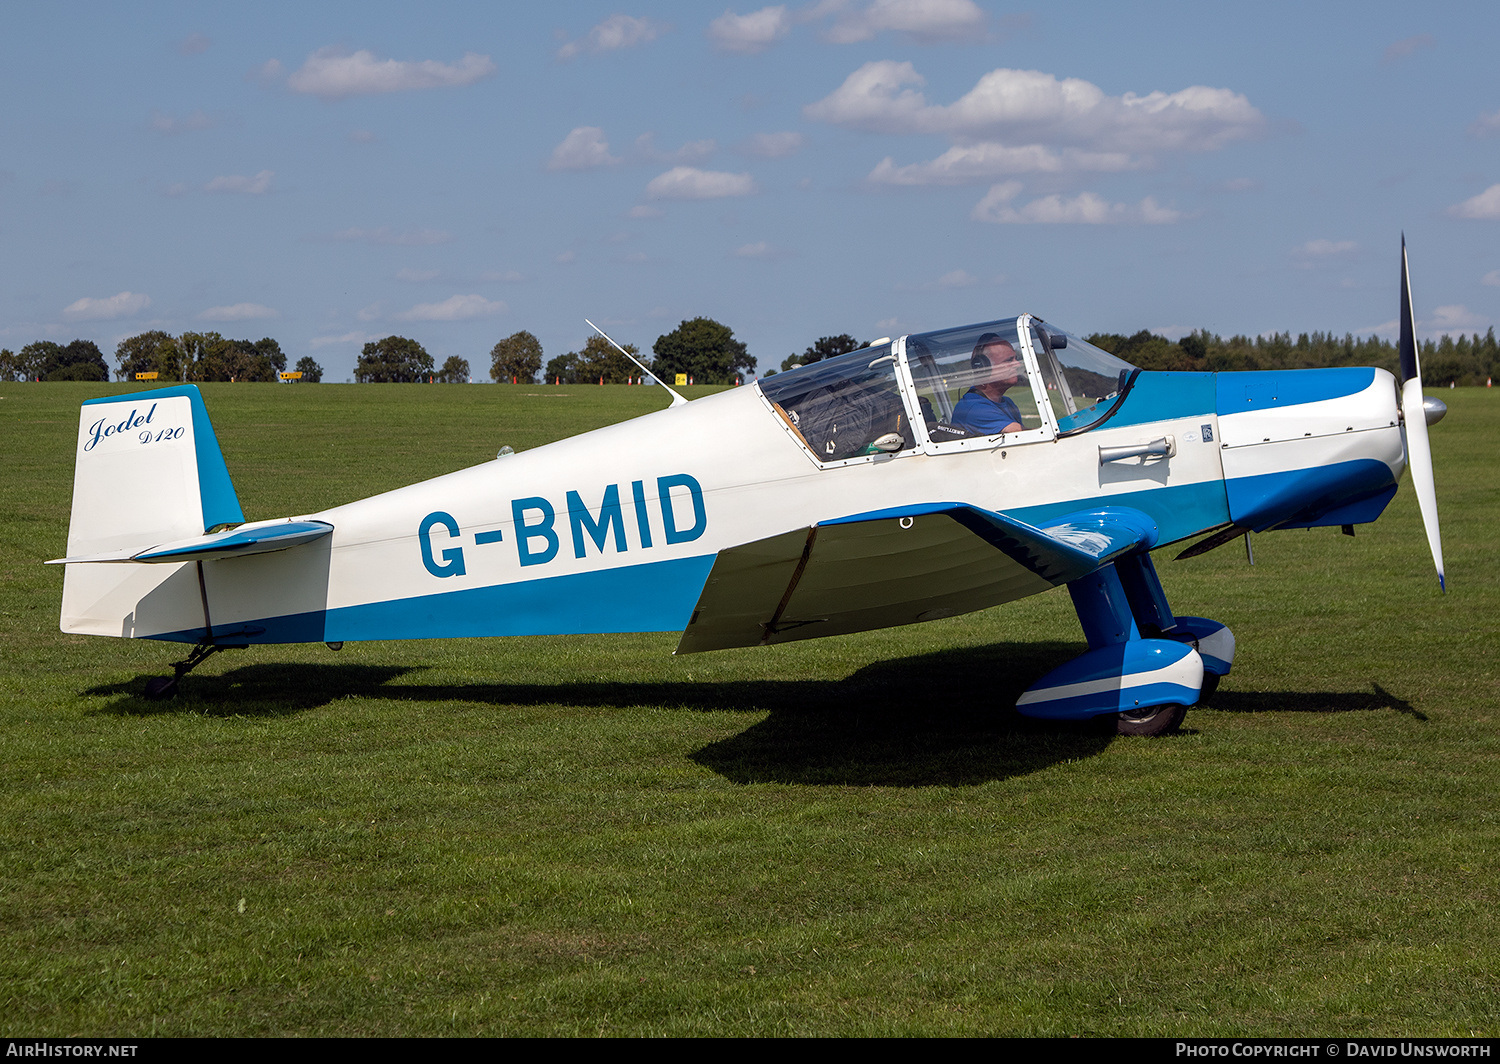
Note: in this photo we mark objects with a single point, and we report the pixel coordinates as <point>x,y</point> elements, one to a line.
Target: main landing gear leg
<point>159,687</point>
<point>1143,666</point>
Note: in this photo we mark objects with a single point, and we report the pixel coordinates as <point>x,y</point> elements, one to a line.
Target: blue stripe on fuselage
<point>1306,498</point>
<point>656,597</point>
<point>1179,510</point>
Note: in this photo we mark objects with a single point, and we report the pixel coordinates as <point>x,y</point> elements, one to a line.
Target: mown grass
<point>846,836</point>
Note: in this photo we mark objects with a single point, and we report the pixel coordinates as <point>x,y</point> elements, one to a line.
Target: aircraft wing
<point>898,566</point>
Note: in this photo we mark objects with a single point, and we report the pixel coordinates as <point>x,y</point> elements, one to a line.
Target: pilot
<point>985,409</point>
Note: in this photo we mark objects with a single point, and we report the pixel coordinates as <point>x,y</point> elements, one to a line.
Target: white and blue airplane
<point>927,476</point>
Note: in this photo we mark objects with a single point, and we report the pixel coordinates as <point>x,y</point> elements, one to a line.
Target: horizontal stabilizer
<point>261,538</point>
<point>898,566</point>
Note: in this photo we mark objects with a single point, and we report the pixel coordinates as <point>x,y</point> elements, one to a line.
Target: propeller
<point>1418,449</point>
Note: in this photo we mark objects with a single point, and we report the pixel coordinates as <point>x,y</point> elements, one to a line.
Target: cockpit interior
<point>999,382</point>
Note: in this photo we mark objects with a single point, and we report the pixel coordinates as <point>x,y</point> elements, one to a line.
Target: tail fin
<point>148,470</point>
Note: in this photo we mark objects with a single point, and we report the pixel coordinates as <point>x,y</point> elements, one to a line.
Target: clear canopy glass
<point>845,406</point>
<point>973,383</point>
<point>1084,382</point>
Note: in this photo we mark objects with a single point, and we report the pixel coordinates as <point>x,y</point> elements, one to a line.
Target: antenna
<point>677,400</point>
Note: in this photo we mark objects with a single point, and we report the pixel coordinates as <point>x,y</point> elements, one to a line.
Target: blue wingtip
<point>1442,584</point>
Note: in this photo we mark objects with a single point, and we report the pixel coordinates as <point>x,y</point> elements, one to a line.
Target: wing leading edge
<point>898,566</point>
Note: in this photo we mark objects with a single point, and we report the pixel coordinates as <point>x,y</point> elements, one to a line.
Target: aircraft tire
<point>161,687</point>
<point>1151,720</point>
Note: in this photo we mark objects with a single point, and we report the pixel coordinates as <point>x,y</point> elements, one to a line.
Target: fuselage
<point>617,529</point>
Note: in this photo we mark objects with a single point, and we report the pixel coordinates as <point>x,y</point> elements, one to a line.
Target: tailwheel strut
<point>159,687</point>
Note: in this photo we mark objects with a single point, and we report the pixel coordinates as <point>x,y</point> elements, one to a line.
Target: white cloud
<point>1241,184</point>
<point>373,312</point>
<point>645,210</point>
<point>562,258</point>
<point>1455,318</point>
<point>238,312</point>
<point>686,182</point>
<point>693,151</point>
<point>773,145</point>
<point>1492,278</point>
<point>759,250</point>
<point>193,44</point>
<point>1403,48</point>
<point>346,338</point>
<point>750,33</point>
<point>1029,107</point>
<point>454,308</point>
<point>362,136</point>
<point>268,73</point>
<point>384,235</point>
<point>583,149</point>
<point>332,75</point>
<point>416,276</point>
<point>1486,125</point>
<point>925,21</point>
<point>190,123</point>
<point>1321,252</point>
<point>617,31</point>
<point>1086,208</point>
<point>986,161</point>
<point>120,305</point>
<point>956,279</point>
<point>238,183</point>
<point>1485,205</point>
<point>508,276</point>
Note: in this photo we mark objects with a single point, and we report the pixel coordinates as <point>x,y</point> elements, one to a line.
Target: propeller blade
<point>1418,449</point>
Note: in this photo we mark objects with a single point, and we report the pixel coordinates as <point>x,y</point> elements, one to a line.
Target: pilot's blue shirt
<point>979,413</point>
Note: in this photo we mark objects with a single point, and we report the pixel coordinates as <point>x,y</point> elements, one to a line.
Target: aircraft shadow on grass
<point>940,719</point>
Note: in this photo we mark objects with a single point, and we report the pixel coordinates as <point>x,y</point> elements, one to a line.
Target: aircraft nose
<point>1304,448</point>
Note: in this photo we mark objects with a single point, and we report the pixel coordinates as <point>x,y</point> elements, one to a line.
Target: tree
<point>44,360</point>
<point>10,366</point>
<point>393,360</point>
<point>311,372</point>
<point>31,359</point>
<point>597,360</point>
<point>518,356</point>
<point>560,368</point>
<point>826,347</point>
<point>218,359</point>
<point>703,349</point>
<point>148,352</point>
<point>454,371</point>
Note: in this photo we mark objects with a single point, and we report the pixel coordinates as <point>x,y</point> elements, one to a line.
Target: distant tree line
<point>706,352</point>
<point>192,356</point>
<point>703,349</point>
<point>1461,360</point>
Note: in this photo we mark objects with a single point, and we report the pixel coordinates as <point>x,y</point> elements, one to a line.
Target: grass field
<point>561,836</point>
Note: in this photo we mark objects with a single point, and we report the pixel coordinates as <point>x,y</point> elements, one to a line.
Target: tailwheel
<point>161,687</point>
<point>1150,720</point>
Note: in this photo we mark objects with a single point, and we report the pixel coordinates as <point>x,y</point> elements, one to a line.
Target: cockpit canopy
<point>1015,379</point>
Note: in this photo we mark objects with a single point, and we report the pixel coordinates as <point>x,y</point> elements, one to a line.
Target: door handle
<point>1165,447</point>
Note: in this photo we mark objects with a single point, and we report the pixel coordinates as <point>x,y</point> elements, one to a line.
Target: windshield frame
<point>1071,419</point>
<point>919,378</point>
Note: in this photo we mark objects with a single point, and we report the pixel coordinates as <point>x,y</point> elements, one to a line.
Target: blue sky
<point>328,174</point>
